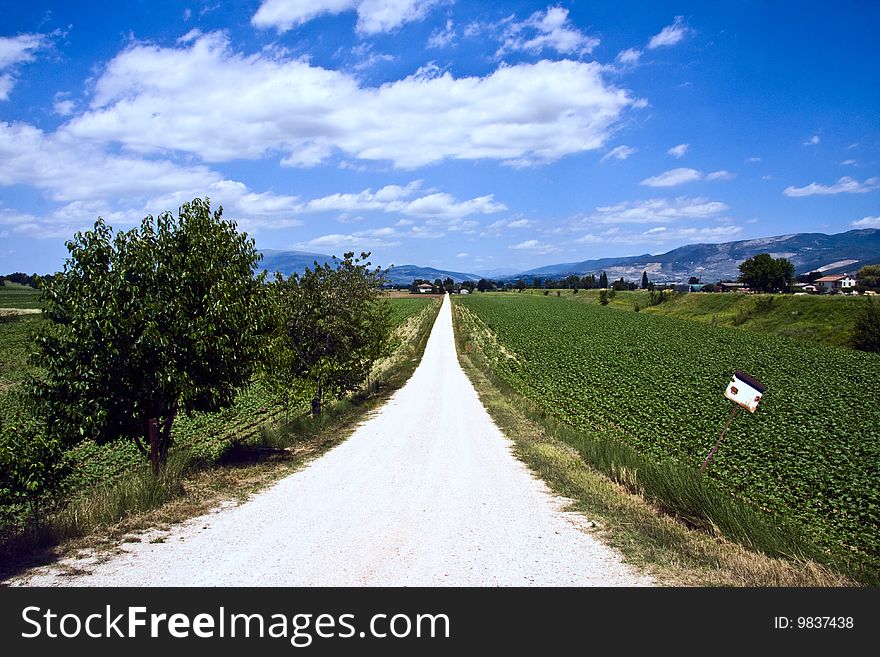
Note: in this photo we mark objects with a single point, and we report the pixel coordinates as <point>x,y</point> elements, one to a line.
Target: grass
<point>192,482</point>
<point>660,515</point>
<point>14,295</point>
<point>820,319</point>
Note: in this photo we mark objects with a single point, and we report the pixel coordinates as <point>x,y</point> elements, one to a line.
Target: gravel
<point>426,492</point>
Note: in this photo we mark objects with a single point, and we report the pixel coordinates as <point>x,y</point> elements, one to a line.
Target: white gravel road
<point>424,493</point>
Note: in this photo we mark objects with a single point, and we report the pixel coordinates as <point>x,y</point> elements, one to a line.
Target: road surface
<point>424,493</point>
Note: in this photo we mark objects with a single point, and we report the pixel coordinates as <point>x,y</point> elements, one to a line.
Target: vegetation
<point>765,273</point>
<point>868,278</point>
<point>867,330</point>
<point>328,328</point>
<point>153,321</point>
<point>644,394</point>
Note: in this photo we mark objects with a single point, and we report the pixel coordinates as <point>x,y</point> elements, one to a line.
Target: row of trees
<point>172,317</point>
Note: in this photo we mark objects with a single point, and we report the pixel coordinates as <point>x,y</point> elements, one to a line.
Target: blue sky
<point>473,136</point>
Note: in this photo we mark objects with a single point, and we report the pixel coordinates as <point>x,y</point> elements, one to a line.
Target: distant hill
<point>406,274</point>
<point>295,262</point>
<point>291,262</point>
<point>712,262</point>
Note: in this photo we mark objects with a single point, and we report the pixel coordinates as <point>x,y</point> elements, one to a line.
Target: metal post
<point>733,412</point>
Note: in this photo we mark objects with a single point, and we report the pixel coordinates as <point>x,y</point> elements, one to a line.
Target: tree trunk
<point>316,402</point>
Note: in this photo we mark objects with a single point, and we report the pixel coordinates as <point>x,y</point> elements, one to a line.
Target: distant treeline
<point>22,279</point>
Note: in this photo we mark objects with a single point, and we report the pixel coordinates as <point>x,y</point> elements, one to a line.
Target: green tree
<point>330,325</point>
<point>644,280</point>
<point>438,286</point>
<point>868,278</point>
<point>484,285</point>
<point>693,280</point>
<point>603,280</point>
<point>520,285</point>
<point>866,334</point>
<point>767,274</point>
<point>147,323</point>
<point>603,297</point>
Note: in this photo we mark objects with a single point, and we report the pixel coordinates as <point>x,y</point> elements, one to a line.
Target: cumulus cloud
<point>678,151</point>
<point>720,175</point>
<point>657,210</point>
<point>672,178</point>
<point>550,29</point>
<point>844,185</point>
<point>812,141</point>
<point>867,222</point>
<point>669,35</point>
<point>618,153</point>
<point>222,105</point>
<point>374,16</point>
<point>354,242</point>
<point>17,50</point>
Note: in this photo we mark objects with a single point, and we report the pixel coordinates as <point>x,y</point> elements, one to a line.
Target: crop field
<point>811,453</point>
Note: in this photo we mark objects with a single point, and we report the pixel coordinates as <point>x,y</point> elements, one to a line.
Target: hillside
<point>712,262</point>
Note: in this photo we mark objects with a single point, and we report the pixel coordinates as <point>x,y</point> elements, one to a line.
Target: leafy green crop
<point>811,453</point>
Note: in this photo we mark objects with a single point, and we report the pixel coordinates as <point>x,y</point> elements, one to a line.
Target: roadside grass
<point>664,519</point>
<point>190,484</point>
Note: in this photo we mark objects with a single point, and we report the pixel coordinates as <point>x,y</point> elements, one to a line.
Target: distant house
<point>731,287</point>
<point>425,288</point>
<point>835,283</point>
<point>463,290</point>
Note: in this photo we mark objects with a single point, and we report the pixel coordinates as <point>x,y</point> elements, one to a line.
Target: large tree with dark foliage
<point>765,273</point>
<point>147,323</point>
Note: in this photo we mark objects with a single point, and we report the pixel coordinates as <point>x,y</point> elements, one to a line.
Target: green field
<point>206,435</point>
<point>13,295</point>
<point>811,454</point>
<point>826,319</point>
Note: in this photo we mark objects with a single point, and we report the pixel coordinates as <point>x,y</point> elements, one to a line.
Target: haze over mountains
<point>710,262</point>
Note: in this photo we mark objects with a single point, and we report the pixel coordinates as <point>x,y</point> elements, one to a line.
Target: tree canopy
<point>159,319</point>
<point>765,273</point>
<point>330,325</point>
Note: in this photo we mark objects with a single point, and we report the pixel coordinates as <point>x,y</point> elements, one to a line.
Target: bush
<point>866,335</point>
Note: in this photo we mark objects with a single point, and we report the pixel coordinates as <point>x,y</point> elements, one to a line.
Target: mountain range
<point>710,262</point>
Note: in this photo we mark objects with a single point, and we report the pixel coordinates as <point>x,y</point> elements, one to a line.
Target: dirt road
<point>424,493</point>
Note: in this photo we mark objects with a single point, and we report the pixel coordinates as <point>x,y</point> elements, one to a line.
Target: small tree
<point>866,334</point>
<point>603,280</point>
<point>330,325</point>
<point>868,278</point>
<point>693,280</point>
<point>145,324</point>
<point>644,280</point>
<point>520,285</point>
<point>767,274</point>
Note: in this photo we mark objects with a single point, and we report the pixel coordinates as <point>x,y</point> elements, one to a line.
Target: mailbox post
<point>745,392</point>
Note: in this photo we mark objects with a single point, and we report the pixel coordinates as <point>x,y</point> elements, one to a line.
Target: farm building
<point>731,287</point>
<point>835,283</point>
<point>425,288</point>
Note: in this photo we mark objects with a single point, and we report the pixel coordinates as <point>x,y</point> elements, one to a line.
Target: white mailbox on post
<point>745,391</point>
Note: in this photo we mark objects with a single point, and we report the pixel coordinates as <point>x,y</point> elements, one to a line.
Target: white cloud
<point>658,210</point>
<point>222,105</point>
<point>354,241</point>
<point>867,222</point>
<point>669,35</point>
<point>662,234</point>
<point>462,255</point>
<point>812,141</point>
<point>844,185</point>
<point>678,151</point>
<point>673,177</point>
<point>519,223</point>
<point>720,175</point>
<point>683,175</point>
<point>550,29</point>
<point>17,50</point>
<point>752,160</point>
<point>848,163</point>
<point>534,246</point>
<point>442,38</point>
<point>374,16</point>
<point>628,57</point>
<point>619,153</point>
